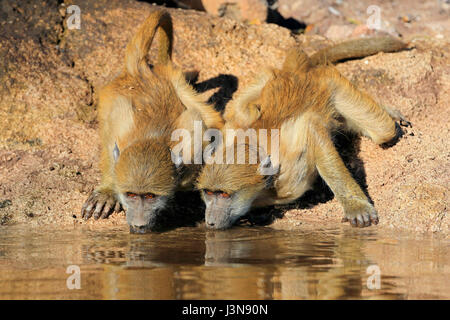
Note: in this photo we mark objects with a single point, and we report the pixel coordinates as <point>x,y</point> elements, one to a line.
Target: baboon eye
<point>149,196</point>
<point>221,193</point>
<point>132,195</point>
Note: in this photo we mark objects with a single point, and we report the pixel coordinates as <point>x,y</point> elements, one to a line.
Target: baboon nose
<point>138,229</point>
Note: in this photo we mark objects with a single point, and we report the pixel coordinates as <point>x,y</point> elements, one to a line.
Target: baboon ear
<point>266,167</point>
<point>256,110</point>
<point>265,163</point>
<point>209,150</point>
<point>177,158</point>
<point>116,152</point>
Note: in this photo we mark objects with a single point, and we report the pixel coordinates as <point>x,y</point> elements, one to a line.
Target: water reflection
<point>241,263</point>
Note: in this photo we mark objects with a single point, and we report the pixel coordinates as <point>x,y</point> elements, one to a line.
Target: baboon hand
<point>100,204</point>
<point>360,215</point>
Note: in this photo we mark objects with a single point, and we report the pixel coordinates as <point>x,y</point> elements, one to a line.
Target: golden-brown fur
<point>306,101</point>
<point>137,113</point>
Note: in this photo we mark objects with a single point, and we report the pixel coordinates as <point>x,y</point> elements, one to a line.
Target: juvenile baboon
<point>307,101</point>
<point>138,111</point>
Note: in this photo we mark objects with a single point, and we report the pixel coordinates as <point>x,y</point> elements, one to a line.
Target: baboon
<point>307,101</point>
<point>137,113</point>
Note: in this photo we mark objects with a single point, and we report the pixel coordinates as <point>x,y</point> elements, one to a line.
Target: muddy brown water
<point>241,263</point>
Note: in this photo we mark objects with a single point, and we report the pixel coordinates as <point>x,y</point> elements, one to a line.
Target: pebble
<point>334,11</point>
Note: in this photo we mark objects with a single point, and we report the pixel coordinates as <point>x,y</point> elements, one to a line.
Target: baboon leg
<point>361,113</point>
<point>102,201</point>
<point>357,208</point>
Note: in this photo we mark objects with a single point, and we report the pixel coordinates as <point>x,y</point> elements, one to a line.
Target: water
<point>241,263</point>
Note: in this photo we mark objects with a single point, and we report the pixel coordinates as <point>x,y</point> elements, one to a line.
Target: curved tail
<point>357,48</point>
<point>141,42</point>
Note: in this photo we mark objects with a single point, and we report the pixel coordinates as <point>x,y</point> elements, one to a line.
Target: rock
<point>223,45</point>
<point>397,18</point>
<point>339,32</point>
<point>243,10</point>
<point>363,30</point>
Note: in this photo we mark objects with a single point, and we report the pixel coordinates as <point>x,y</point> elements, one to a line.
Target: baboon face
<point>228,191</point>
<point>224,209</point>
<point>142,210</point>
<point>146,179</point>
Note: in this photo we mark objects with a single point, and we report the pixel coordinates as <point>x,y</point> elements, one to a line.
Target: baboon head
<point>146,180</point>
<point>229,189</point>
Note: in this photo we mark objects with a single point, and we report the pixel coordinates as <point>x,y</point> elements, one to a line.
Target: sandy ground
<point>49,77</point>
